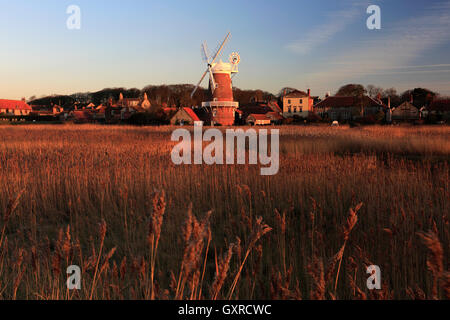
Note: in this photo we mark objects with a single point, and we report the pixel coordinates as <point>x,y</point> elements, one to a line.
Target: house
<point>406,111</point>
<point>98,113</point>
<point>274,106</point>
<point>275,117</point>
<point>184,116</point>
<point>297,103</point>
<point>136,103</point>
<point>123,109</point>
<point>254,108</point>
<point>440,109</point>
<point>14,107</point>
<point>258,119</point>
<point>348,108</point>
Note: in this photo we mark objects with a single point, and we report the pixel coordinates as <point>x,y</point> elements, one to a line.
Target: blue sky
<point>319,44</point>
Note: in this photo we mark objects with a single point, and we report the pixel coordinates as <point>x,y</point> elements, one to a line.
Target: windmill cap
<point>222,67</point>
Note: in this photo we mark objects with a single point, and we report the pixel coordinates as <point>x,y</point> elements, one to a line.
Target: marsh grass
<point>108,198</point>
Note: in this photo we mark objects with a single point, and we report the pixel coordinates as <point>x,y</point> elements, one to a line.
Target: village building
<point>258,120</point>
<point>405,112</point>
<point>123,109</point>
<point>275,117</point>
<point>184,116</point>
<point>274,106</point>
<point>337,108</point>
<point>297,103</point>
<point>255,108</point>
<point>136,103</point>
<point>14,107</point>
<point>258,108</point>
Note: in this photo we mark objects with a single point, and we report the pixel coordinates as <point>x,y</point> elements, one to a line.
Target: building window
<point>295,109</point>
<point>301,101</point>
<point>300,110</point>
<point>289,101</point>
<point>289,109</point>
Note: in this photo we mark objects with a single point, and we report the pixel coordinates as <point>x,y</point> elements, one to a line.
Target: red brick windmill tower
<point>221,107</point>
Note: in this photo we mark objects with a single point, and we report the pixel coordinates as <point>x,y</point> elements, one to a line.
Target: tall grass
<point>110,200</point>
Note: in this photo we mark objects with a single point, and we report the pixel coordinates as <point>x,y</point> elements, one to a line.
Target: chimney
<point>327,94</point>
<point>379,96</point>
<point>23,100</point>
<point>389,102</point>
<point>309,92</point>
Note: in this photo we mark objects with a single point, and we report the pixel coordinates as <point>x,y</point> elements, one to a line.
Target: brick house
<point>258,119</point>
<point>298,103</point>
<point>184,116</point>
<point>14,107</point>
<point>406,111</point>
<point>348,108</point>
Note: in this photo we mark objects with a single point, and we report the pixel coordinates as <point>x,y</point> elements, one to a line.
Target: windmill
<point>221,107</point>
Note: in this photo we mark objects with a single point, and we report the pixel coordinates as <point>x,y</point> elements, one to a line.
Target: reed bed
<point>109,199</point>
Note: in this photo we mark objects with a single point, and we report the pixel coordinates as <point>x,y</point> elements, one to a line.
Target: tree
<point>286,90</point>
<point>374,91</point>
<point>420,96</point>
<point>353,90</point>
<point>391,92</point>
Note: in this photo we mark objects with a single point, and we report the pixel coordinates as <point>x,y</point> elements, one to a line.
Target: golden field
<point>109,199</point>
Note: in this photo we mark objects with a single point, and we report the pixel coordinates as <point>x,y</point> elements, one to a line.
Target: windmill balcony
<point>210,104</point>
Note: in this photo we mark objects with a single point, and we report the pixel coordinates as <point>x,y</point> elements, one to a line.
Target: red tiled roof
<point>275,107</point>
<point>440,105</point>
<point>258,116</point>
<point>255,108</point>
<point>274,115</point>
<point>191,114</point>
<point>14,104</point>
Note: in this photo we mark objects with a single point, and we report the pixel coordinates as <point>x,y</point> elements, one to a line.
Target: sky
<point>319,44</point>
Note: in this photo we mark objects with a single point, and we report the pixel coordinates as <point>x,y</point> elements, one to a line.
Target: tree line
<point>179,95</point>
<point>419,96</point>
